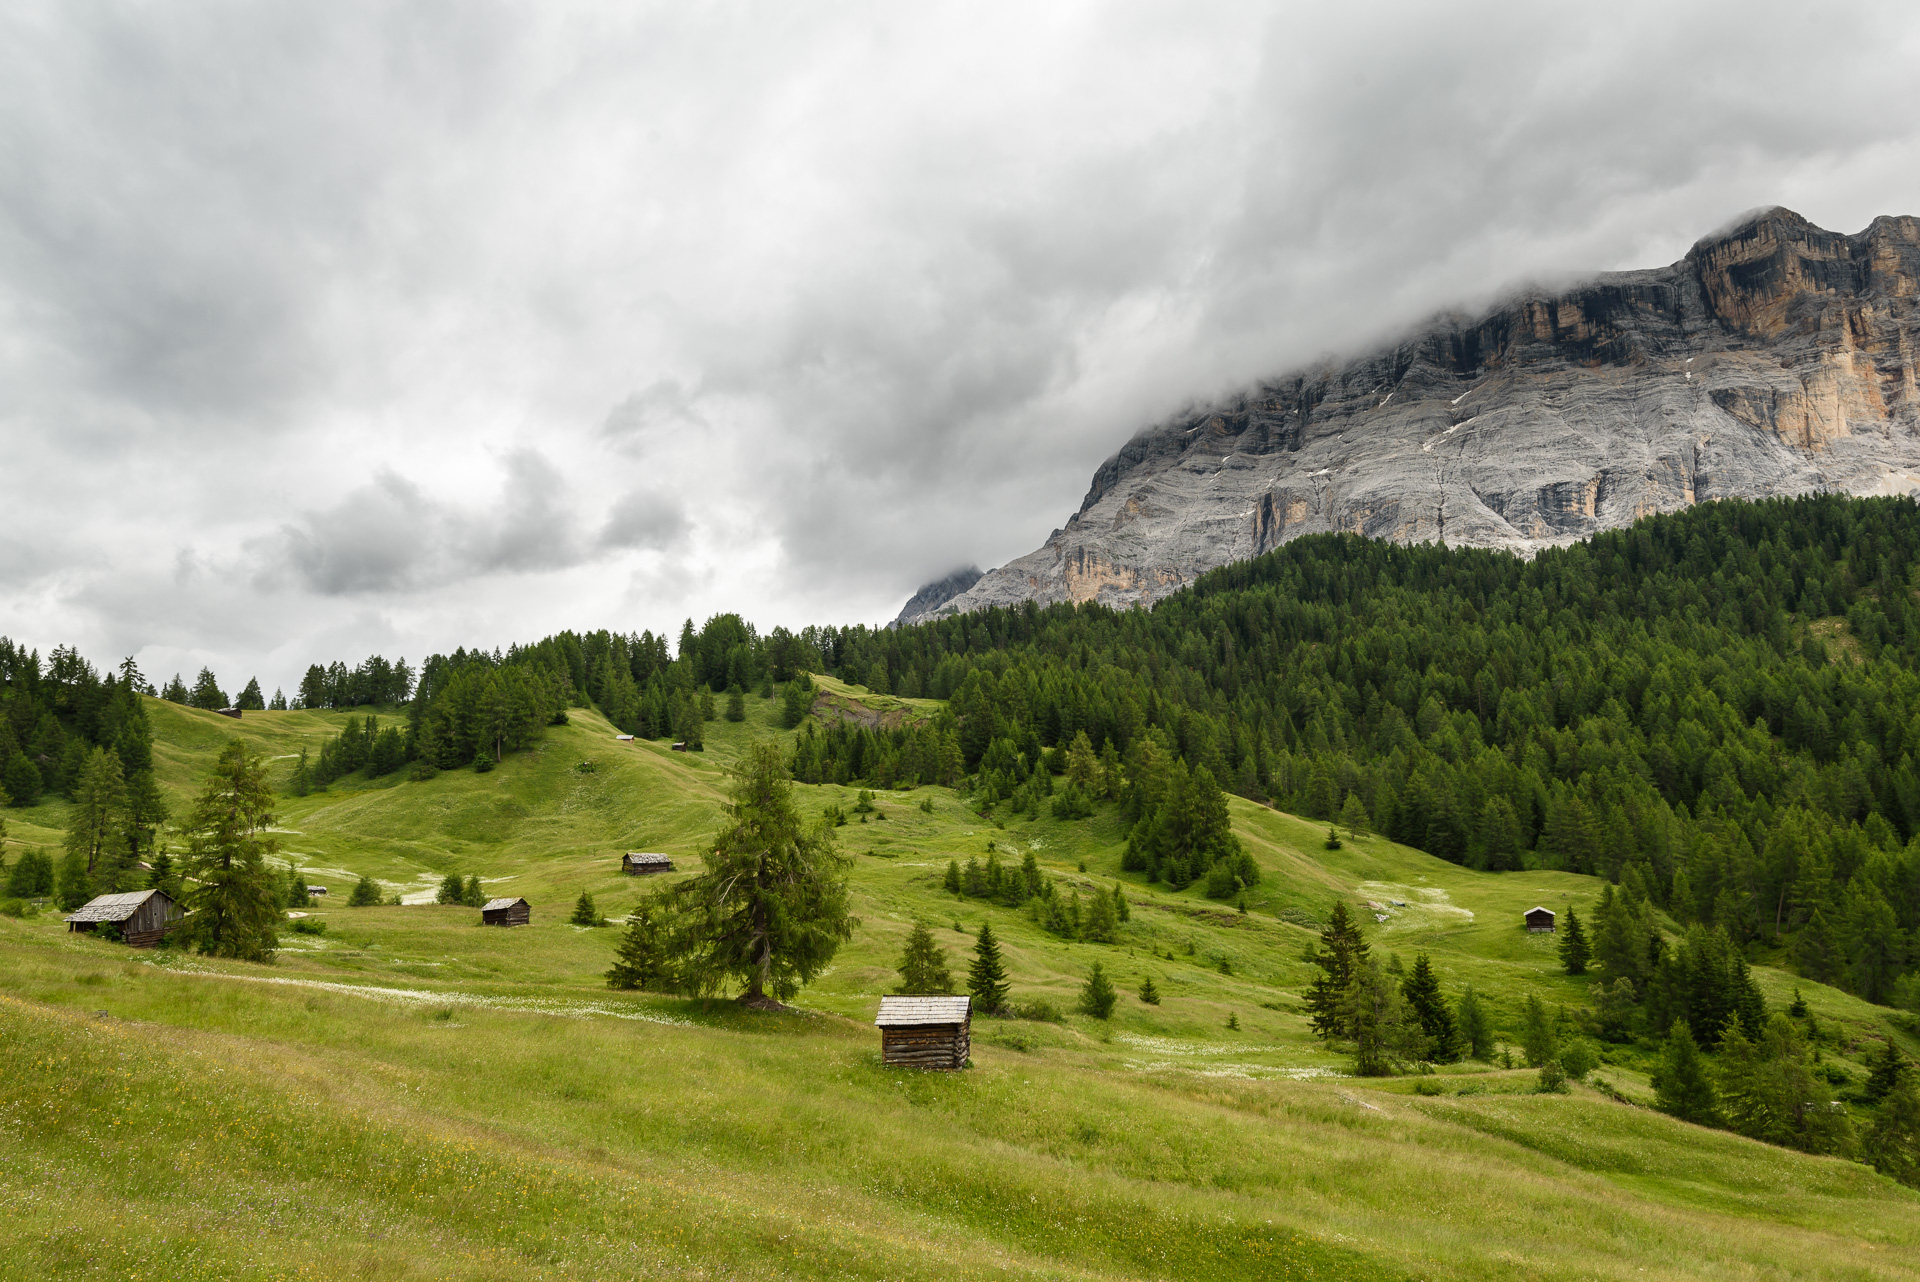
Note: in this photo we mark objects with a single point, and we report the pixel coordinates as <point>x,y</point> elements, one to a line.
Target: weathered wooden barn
<point>316,890</point>
<point>678,747</point>
<point>229,712</point>
<point>925,1032</point>
<point>506,912</point>
<point>640,863</point>
<point>142,915</point>
<point>1540,920</point>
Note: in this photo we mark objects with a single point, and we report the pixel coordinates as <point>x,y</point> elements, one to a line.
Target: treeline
<point>373,681</point>
<point>206,693</point>
<point>67,730</point>
<point>1718,707</point>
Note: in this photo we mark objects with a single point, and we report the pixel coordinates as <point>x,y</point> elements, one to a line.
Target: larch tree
<point>1341,951</point>
<point>771,909</point>
<point>644,959</point>
<point>236,903</point>
<point>98,815</point>
<point>1421,988</point>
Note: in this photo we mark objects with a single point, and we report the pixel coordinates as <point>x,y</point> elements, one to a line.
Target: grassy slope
<point>493,1110</point>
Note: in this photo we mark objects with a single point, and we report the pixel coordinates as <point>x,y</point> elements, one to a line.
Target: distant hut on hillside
<point>678,747</point>
<point>316,890</point>
<point>229,712</point>
<point>1540,920</point>
<point>506,912</point>
<point>925,1032</point>
<point>639,863</point>
<point>624,738</point>
<point>142,916</point>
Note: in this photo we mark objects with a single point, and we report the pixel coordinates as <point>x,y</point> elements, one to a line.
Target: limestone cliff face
<point>1776,358</point>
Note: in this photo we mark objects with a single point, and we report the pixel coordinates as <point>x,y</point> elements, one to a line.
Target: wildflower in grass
<point>1097,995</point>
<point>923,965</point>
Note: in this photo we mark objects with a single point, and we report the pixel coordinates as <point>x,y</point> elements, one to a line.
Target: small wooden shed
<point>229,712</point>
<point>142,915</point>
<point>506,912</point>
<point>678,747</point>
<point>1540,920</point>
<point>316,890</point>
<point>925,1032</point>
<point>640,863</point>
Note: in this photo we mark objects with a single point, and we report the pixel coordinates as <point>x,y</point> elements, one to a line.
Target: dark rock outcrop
<point>936,594</point>
<point>1775,358</point>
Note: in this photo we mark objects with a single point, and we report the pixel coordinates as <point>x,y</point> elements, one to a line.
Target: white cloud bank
<point>329,329</point>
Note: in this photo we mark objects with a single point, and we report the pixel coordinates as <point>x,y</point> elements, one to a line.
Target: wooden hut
<point>640,863</point>
<point>229,712</point>
<point>316,890</point>
<point>142,915</point>
<point>925,1032</point>
<point>1540,920</point>
<point>506,912</point>
<point>678,747</point>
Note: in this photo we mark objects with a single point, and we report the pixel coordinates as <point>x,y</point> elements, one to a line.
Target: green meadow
<point>408,1094</point>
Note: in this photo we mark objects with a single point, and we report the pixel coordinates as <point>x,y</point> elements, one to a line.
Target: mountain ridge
<point>1774,357</point>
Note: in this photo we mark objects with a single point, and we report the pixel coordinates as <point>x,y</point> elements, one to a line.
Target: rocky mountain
<point>1775,358</point>
<point>930,598</point>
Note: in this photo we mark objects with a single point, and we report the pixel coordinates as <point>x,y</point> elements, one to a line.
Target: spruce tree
<point>1122,911</point>
<point>584,911</point>
<point>1574,949</point>
<point>643,959</point>
<point>251,700</point>
<point>1100,924</point>
<point>1476,1027</point>
<point>1353,816</point>
<point>1537,1036</point>
<point>1892,1146</point>
<point>1421,988</point>
<point>452,890</point>
<point>73,886</point>
<point>1682,1086</point>
<point>237,904</point>
<point>736,704</point>
<point>987,977</point>
<point>771,908</point>
<point>366,893</point>
<point>297,896</point>
<point>475,897</point>
<point>923,965</point>
<point>952,882</point>
<point>1341,951</point>
<point>1148,993</point>
<point>1887,1067</point>
<point>1097,995</point>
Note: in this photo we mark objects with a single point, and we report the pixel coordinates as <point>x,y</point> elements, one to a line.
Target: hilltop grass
<point>410,1093</point>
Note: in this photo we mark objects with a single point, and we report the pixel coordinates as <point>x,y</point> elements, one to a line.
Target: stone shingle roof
<point>494,905</point>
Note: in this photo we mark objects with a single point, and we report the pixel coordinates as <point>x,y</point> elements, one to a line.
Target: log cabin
<point>506,912</point>
<point>925,1032</point>
<point>1540,920</point>
<point>639,863</point>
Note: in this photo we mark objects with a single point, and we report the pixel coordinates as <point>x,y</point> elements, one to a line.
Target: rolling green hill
<point>408,1094</point>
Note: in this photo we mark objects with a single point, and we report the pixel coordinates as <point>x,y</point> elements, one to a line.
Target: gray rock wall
<point>1777,358</point>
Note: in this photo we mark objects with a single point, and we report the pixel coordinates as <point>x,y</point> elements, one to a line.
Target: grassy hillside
<point>409,1094</point>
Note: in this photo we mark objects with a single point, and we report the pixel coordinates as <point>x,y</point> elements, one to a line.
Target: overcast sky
<point>337,328</point>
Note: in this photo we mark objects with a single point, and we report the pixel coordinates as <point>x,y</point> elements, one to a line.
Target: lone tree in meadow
<point>585,912</point>
<point>923,965</point>
<point>1097,995</point>
<point>237,903</point>
<point>1421,988</point>
<point>771,909</point>
<point>987,977</point>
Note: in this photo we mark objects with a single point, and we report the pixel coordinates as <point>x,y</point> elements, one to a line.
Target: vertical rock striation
<point>1775,358</point>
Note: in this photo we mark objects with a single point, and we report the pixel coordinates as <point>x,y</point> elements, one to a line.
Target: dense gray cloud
<point>365,326</point>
